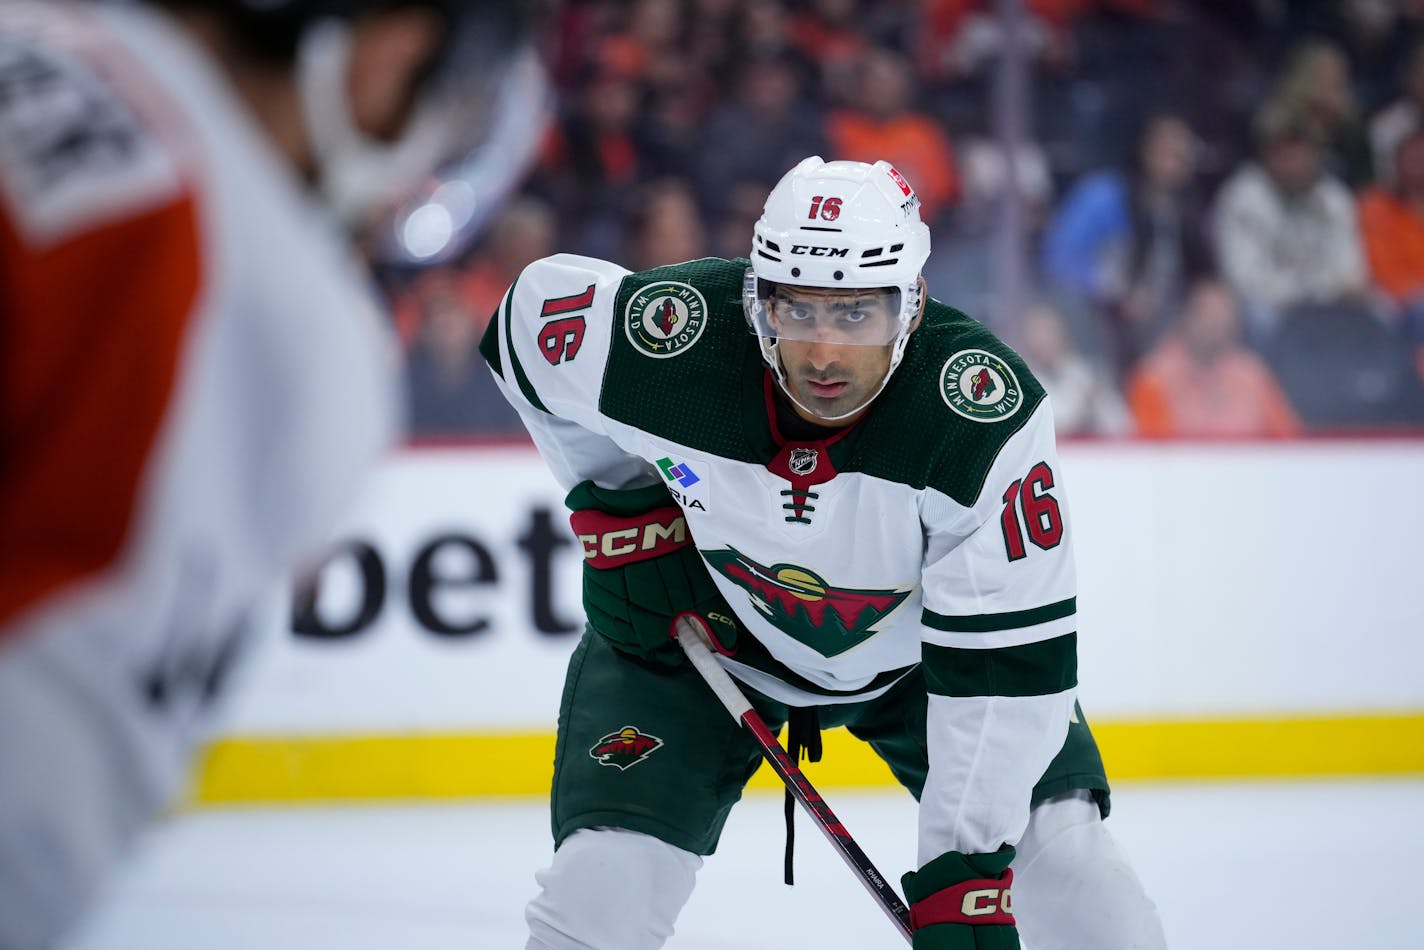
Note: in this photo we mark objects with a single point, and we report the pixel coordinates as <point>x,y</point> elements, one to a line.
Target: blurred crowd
<point>1223,202</point>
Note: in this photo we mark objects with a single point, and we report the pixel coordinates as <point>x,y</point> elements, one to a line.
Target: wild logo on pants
<point>625,748</point>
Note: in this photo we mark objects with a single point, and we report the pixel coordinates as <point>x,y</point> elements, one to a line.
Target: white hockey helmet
<point>839,226</point>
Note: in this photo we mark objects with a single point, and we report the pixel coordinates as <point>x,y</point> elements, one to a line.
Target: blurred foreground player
<point>855,489</point>
<point>193,373</point>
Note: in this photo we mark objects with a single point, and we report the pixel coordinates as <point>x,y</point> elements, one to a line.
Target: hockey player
<point>855,488</point>
<point>193,374</point>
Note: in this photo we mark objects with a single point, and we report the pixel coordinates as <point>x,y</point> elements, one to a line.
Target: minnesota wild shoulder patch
<point>665,318</point>
<point>980,386</point>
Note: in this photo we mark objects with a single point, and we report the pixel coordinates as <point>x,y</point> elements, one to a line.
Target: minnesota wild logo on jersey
<point>795,600</point>
<point>980,386</point>
<point>665,318</point>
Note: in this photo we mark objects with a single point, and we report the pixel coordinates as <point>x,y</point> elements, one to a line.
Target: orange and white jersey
<point>193,379</point>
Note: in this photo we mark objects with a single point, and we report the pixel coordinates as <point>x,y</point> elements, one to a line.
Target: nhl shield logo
<point>980,386</point>
<point>625,748</point>
<point>803,461</point>
<point>665,318</point>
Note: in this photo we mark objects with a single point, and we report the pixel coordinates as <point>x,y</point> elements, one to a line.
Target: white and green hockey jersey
<point>933,530</point>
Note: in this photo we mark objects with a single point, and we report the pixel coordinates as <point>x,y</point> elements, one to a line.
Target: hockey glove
<point>962,902</point>
<point>641,570</point>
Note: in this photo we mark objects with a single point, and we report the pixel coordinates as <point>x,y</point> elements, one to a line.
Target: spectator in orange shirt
<point>1201,380</point>
<point>1392,228</point>
<point>884,124</point>
<point>1392,225</point>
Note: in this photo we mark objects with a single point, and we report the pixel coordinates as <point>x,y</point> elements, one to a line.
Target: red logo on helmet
<point>625,748</point>
<point>900,180</point>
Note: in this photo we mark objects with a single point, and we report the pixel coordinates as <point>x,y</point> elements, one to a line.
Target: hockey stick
<point>721,683</point>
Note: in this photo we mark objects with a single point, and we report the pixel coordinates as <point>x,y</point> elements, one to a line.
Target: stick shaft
<point>795,780</point>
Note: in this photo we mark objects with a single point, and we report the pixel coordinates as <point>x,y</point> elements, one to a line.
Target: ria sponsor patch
<point>625,748</point>
<point>687,488</point>
<point>665,318</point>
<point>679,472</point>
<point>980,386</point>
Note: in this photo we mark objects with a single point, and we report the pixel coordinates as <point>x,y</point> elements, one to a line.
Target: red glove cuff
<point>615,540</point>
<point>975,902</point>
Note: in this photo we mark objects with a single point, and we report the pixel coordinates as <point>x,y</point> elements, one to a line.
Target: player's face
<point>834,348</point>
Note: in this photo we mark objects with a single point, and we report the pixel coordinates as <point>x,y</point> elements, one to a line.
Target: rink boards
<point>1246,610</point>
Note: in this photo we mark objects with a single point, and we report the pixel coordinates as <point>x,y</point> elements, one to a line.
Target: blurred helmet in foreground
<point>478,112</point>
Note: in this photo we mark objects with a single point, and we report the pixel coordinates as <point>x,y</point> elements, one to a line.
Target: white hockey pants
<point>609,889</point>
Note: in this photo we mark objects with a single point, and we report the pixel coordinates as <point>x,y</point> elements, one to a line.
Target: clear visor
<point>861,317</point>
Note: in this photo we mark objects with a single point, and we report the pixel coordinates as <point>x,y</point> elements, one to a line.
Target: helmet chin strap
<point>773,359</point>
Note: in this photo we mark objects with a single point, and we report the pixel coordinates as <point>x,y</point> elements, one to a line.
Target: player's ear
<point>924,297</point>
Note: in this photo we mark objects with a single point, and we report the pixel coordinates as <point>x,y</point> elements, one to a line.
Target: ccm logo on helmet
<point>815,250</point>
<point>985,901</point>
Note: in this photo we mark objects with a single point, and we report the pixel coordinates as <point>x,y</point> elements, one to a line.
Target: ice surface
<point>1294,865</point>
